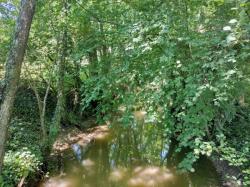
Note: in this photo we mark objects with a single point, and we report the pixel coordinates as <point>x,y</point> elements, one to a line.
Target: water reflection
<point>164,153</point>
<point>77,151</point>
<point>133,157</point>
<point>151,176</point>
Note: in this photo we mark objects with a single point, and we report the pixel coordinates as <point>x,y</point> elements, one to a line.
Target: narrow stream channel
<point>130,157</point>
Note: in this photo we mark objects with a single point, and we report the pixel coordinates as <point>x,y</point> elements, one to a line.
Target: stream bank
<point>63,151</point>
<point>230,175</point>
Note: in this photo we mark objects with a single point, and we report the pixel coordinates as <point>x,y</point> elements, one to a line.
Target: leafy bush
<point>24,134</point>
<point>23,157</point>
<point>19,164</point>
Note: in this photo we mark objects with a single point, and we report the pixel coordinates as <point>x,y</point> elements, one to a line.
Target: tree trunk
<point>42,108</point>
<point>60,91</point>
<point>13,68</point>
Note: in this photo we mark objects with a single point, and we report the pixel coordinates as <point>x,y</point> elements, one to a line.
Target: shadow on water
<point>134,157</point>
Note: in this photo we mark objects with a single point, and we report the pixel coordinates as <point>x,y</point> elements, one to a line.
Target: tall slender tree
<point>59,110</point>
<point>13,68</point>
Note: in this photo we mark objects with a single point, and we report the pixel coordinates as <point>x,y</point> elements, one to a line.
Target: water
<point>131,157</point>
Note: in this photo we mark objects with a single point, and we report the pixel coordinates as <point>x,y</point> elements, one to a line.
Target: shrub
<point>18,164</point>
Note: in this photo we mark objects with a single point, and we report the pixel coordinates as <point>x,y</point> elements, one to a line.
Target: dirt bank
<point>72,136</point>
<point>230,175</point>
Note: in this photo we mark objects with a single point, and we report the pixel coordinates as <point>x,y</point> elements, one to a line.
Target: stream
<point>140,156</point>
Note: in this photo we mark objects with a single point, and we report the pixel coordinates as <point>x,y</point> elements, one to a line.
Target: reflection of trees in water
<point>132,158</point>
<point>126,159</point>
<point>96,164</point>
<point>138,144</point>
<point>130,147</point>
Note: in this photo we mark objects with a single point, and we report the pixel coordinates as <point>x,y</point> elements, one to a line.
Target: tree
<point>13,68</point>
<point>59,110</point>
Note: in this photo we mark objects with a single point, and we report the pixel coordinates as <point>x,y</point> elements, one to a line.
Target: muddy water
<point>140,156</point>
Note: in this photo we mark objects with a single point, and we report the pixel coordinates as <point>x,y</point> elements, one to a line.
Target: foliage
<point>25,104</point>
<point>183,62</point>
<point>19,164</point>
<point>22,134</point>
<point>236,148</point>
<point>23,158</point>
<point>8,11</point>
<point>186,64</point>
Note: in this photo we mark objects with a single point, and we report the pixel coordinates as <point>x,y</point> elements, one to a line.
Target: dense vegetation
<point>184,62</point>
